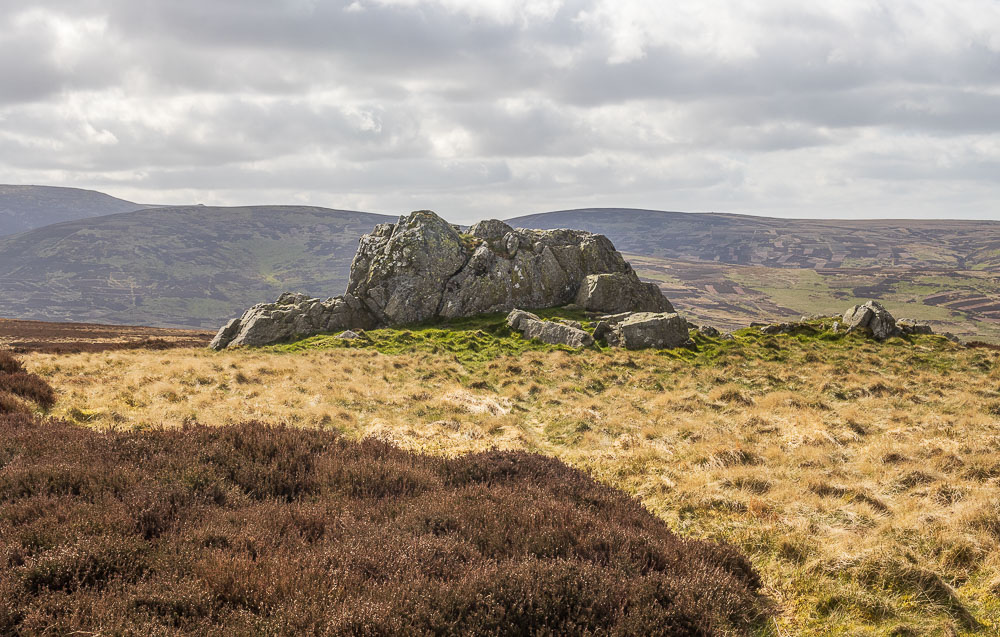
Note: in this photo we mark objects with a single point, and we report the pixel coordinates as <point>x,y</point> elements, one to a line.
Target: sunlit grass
<point>861,478</point>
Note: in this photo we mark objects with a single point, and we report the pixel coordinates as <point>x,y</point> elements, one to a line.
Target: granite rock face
<point>422,268</point>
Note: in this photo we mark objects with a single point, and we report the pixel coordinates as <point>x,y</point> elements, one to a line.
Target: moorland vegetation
<point>256,529</point>
<point>860,478</point>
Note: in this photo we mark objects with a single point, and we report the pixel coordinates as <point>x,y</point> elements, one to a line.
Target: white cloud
<point>479,107</point>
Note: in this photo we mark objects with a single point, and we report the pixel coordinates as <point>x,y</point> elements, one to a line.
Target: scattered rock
<point>710,331</point>
<point>645,330</point>
<point>871,316</point>
<point>912,326</point>
<point>348,335</point>
<point>618,291</point>
<point>778,328</point>
<point>550,332</point>
<point>423,268</point>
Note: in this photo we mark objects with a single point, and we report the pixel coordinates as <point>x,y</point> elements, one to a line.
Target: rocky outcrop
<point>649,330</point>
<point>552,332</point>
<point>422,268</point>
<point>871,316</point>
<point>621,291</point>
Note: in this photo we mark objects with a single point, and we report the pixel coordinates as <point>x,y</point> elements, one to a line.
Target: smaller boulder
<point>912,326</point>
<point>777,328</point>
<point>710,331</point>
<point>620,292</point>
<point>532,327</point>
<point>649,330</point>
<point>873,317</point>
<point>348,335</point>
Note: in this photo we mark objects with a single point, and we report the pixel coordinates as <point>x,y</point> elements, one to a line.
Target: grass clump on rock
<point>252,529</point>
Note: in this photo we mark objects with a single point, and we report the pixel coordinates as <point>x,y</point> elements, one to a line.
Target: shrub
<point>266,530</point>
<point>9,364</point>
<point>29,387</point>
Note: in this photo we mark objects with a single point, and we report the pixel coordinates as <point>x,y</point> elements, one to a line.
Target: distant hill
<point>787,243</point>
<point>24,208</point>
<point>197,266</point>
<point>182,266</point>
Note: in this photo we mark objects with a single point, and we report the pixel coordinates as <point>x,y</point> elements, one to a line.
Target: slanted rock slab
<point>551,332</point>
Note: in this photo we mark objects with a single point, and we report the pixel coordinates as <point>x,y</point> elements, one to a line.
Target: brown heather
<point>861,479</point>
<point>251,529</point>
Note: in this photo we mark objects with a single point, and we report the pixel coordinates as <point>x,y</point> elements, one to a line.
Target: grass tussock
<point>253,529</point>
<point>809,452</point>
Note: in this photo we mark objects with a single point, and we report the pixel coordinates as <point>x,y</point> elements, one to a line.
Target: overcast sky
<point>498,108</point>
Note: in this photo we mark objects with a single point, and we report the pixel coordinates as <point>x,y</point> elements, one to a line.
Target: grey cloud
<point>403,102</point>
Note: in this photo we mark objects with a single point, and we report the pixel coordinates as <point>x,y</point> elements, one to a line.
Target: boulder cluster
<point>876,320</point>
<point>871,318</point>
<point>422,268</point>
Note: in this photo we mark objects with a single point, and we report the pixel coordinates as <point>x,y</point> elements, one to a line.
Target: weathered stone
<point>602,329</point>
<point>291,316</point>
<point>549,332</point>
<point>516,316</point>
<point>873,317</point>
<point>348,335</point>
<point>645,330</point>
<point>777,328</point>
<point>621,292</point>
<point>226,334</point>
<point>615,319</point>
<point>400,275</point>
<point>421,268</point>
<point>577,324</point>
<point>912,326</point>
<point>710,331</point>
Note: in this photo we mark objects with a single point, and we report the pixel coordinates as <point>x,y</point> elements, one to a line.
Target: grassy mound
<point>251,529</point>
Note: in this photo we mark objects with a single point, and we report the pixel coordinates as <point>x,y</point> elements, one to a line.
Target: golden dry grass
<point>863,480</point>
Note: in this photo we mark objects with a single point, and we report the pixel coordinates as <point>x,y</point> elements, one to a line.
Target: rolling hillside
<point>198,266</point>
<point>183,266</point>
<point>787,243</point>
<point>24,208</point>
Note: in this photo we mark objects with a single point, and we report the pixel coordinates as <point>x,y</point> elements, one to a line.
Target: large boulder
<point>400,272</point>
<point>551,332</point>
<point>646,330</point>
<point>873,317</point>
<point>510,268</point>
<point>621,292</point>
<point>422,268</point>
